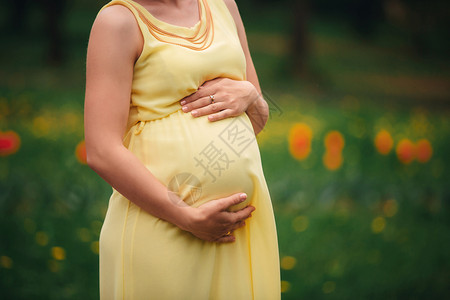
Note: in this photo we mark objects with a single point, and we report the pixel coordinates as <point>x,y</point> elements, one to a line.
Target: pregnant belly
<point>199,160</point>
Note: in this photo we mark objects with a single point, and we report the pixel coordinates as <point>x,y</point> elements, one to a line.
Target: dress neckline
<point>169,26</point>
<point>199,37</point>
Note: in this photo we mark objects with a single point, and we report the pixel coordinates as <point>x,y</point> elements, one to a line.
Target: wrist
<point>184,218</point>
<point>258,112</point>
<point>253,96</point>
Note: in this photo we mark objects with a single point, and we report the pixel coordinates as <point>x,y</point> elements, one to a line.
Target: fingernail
<point>243,197</point>
<point>184,108</point>
<point>183,102</point>
<point>194,113</point>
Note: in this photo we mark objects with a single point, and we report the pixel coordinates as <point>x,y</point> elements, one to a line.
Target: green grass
<point>339,255</point>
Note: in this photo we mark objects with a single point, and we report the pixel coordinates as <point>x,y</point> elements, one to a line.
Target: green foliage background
<point>52,207</point>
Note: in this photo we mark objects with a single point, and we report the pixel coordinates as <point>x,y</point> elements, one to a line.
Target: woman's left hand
<point>220,98</point>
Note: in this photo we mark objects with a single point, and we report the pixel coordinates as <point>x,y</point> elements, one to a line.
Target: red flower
<point>406,151</point>
<point>424,151</point>
<point>9,143</point>
<point>300,141</point>
<point>334,142</point>
<point>332,160</point>
<point>384,142</point>
<point>80,152</point>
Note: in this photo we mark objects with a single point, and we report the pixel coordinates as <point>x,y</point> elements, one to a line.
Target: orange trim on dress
<point>201,40</point>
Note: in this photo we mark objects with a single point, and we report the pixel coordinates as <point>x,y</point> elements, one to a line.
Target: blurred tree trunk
<point>424,18</point>
<point>17,16</point>
<point>423,22</point>
<point>53,11</point>
<point>300,40</point>
<point>54,15</point>
<point>365,16</point>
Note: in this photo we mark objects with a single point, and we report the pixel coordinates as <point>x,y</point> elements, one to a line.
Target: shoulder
<point>116,19</point>
<point>115,29</point>
<point>234,12</point>
<point>232,7</point>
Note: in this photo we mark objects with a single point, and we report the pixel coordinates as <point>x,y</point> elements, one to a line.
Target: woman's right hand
<point>212,222</point>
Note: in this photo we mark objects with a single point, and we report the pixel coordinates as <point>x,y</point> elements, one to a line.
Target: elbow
<point>94,158</point>
<point>100,157</point>
<point>92,161</point>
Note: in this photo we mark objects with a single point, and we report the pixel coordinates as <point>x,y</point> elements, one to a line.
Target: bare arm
<point>233,97</point>
<point>114,45</point>
<point>258,110</point>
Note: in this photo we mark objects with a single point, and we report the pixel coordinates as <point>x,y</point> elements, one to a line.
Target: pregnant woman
<point>172,109</point>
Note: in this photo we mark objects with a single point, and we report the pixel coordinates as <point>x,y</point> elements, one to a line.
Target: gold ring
<point>212,98</point>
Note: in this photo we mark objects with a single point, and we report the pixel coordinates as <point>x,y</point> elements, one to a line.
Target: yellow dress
<point>144,257</point>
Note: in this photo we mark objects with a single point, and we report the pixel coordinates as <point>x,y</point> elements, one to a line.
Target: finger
<point>192,97</point>
<point>238,225</point>
<point>220,115</point>
<point>206,89</point>
<point>208,109</point>
<point>225,203</point>
<point>198,103</point>
<point>226,239</point>
<point>202,92</point>
<point>212,82</point>
<point>242,214</point>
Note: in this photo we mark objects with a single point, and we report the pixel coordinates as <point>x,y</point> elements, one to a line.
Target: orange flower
<point>334,141</point>
<point>300,141</point>
<point>9,143</point>
<point>384,142</point>
<point>406,151</point>
<point>80,152</point>
<point>424,151</point>
<point>332,160</point>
